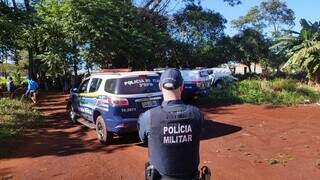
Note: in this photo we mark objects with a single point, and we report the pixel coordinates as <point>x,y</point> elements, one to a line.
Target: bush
<point>17,78</point>
<point>3,82</point>
<point>16,116</point>
<point>276,92</point>
<point>283,84</point>
<point>247,76</point>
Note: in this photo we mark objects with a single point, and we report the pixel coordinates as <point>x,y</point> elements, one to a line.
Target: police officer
<point>172,132</point>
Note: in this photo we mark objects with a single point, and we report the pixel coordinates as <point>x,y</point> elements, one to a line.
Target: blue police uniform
<point>172,132</point>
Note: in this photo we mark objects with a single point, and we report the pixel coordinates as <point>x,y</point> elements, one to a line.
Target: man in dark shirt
<point>172,132</point>
<point>10,87</point>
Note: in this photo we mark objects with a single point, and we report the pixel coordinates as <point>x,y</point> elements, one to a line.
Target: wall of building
<point>243,69</point>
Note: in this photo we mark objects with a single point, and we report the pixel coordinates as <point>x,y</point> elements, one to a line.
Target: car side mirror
<point>74,90</point>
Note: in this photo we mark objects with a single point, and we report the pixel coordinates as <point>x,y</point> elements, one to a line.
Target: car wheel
<point>72,115</point>
<point>103,135</point>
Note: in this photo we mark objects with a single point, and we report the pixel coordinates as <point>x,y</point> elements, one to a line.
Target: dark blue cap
<point>171,79</point>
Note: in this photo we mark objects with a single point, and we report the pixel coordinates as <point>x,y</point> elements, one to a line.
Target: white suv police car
<point>112,102</point>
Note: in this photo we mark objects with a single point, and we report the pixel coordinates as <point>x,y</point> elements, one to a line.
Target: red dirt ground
<point>239,142</point>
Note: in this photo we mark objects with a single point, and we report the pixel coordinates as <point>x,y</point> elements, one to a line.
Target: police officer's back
<point>172,131</point>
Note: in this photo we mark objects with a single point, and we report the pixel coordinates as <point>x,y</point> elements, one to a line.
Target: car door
<point>91,97</point>
<point>83,89</point>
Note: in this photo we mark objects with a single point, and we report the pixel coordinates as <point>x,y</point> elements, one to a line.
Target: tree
<point>249,47</point>
<point>102,33</point>
<point>195,25</point>
<point>196,32</point>
<point>253,19</point>
<point>58,35</point>
<point>10,30</point>
<point>274,13</point>
<point>159,6</point>
<point>58,52</point>
<point>303,49</point>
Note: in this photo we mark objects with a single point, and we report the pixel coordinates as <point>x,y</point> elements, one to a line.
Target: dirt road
<point>239,142</point>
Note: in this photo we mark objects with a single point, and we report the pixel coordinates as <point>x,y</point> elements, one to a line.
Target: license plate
<point>147,104</point>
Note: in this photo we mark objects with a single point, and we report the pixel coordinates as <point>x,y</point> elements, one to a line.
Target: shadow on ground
<point>57,136</point>
<point>213,129</point>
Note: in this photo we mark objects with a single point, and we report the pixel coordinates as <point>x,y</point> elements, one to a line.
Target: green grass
<point>16,116</point>
<point>3,82</point>
<point>275,92</point>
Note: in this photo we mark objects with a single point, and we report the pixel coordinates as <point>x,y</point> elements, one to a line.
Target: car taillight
<point>117,101</point>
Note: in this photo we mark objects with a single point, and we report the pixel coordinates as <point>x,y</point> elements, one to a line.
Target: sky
<point>308,9</point>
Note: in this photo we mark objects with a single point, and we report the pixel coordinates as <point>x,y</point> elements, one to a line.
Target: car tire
<point>72,115</point>
<point>103,135</point>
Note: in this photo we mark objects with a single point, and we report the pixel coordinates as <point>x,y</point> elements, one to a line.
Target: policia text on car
<point>172,132</point>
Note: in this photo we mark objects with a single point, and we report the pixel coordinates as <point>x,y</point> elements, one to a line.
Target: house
<point>243,69</point>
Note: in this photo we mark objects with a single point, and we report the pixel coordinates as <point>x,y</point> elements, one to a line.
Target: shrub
<point>283,84</point>
<point>247,76</point>
<point>18,80</point>
<point>3,82</point>
<point>276,92</point>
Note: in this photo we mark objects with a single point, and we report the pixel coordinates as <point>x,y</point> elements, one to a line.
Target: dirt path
<point>239,142</point>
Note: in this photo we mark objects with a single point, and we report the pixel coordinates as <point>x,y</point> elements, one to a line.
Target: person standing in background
<point>10,87</point>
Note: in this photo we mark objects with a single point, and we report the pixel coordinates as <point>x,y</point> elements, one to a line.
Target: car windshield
<point>133,85</point>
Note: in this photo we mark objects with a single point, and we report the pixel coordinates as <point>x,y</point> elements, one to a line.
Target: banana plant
<point>302,49</point>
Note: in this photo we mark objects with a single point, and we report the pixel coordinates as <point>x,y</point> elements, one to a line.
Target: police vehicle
<point>111,102</point>
<point>220,76</point>
<point>196,83</point>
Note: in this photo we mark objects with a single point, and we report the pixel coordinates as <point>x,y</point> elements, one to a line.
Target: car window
<point>95,84</point>
<point>83,86</point>
<point>204,73</point>
<point>133,85</point>
<point>190,75</point>
<point>110,85</point>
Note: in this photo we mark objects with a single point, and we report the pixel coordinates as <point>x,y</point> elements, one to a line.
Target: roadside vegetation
<point>15,117</point>
<point>17,79</point>
<point>257,91</point>
<point>2,82</point>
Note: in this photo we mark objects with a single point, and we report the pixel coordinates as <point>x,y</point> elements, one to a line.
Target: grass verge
<point>276,92</point>
<point>15,117</point>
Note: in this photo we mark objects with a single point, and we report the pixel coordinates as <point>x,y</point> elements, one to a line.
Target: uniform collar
<point>172,102</point>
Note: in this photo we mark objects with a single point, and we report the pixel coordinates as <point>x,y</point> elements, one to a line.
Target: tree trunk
<point>75,70</point>
<point>278,70</point>
<point>249,67</point>
<point>75,67</point>
<point>254,68</point>
<point>14,5</point>
<point>74,51</point>
<point>316,77</point>
<point>31,63</point>
<point>27,5</point>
